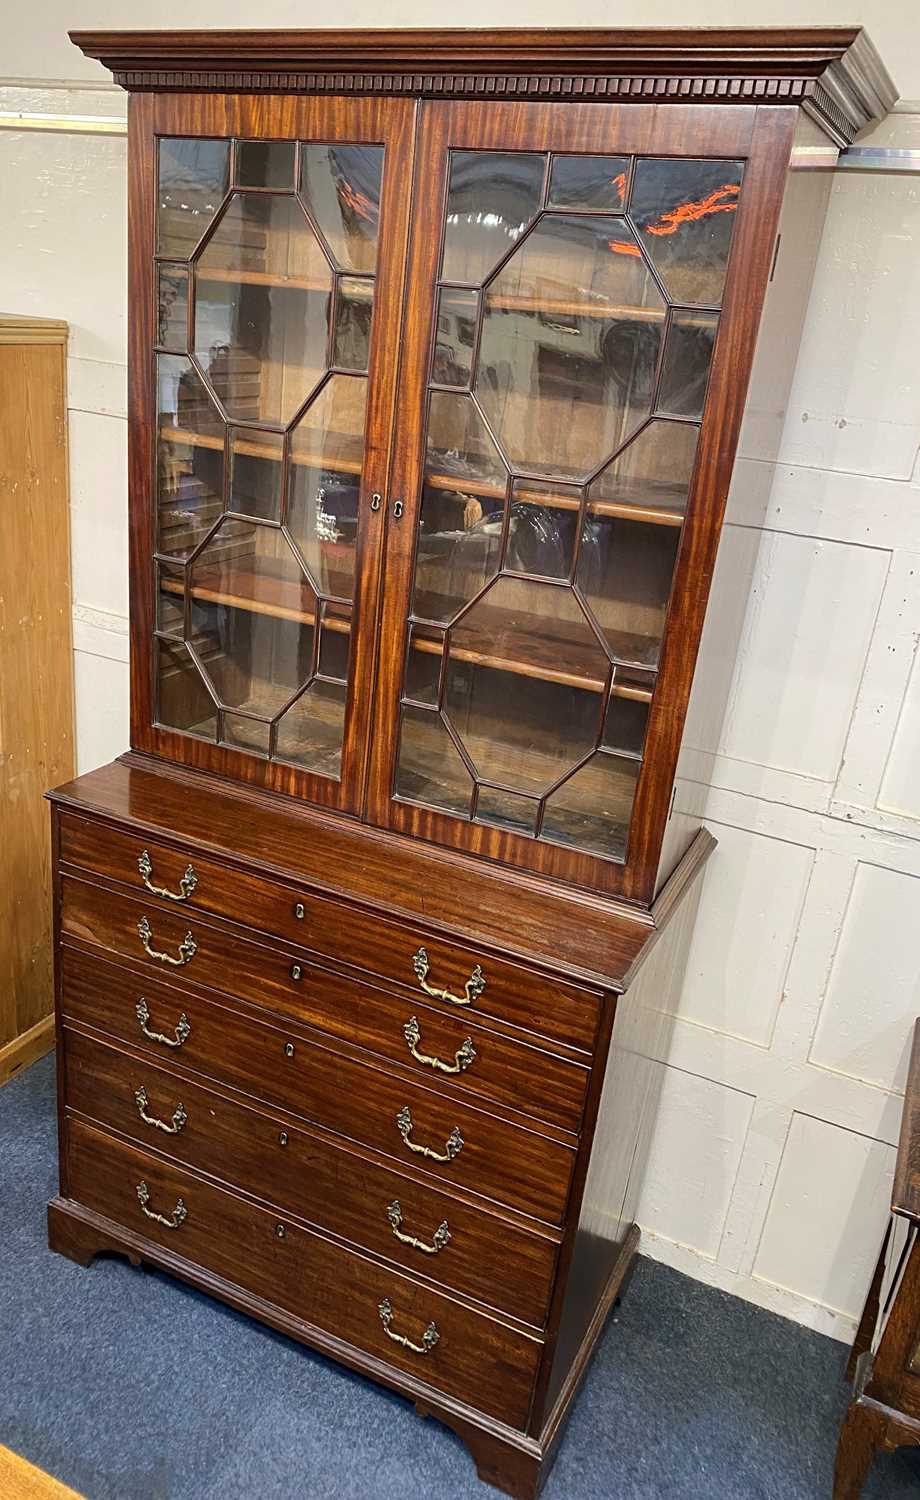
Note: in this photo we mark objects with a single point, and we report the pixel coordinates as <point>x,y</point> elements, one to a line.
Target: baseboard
<point>24,1050</point>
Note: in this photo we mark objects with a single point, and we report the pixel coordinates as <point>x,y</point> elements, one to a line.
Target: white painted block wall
<point>772,1163</point>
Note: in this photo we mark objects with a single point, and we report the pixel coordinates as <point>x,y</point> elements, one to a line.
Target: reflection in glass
<point>170,600</point>
<point>172,308</point>
<point>589,182</point>
<point>327,455</point>
<point>334,641</point>
<point>256,618</point>
<point>524,682</point>
<point>190,458</point>
<point>685,211</point>
<point>654,471</point>
<point>183,701</point>
<point>341,188</point>
<point>491,198</point>
<point>311,733</point>
<point>246,734</point>
<point>624,571</point>
<point>593,808</point>
<point>192,181</point>
<point>423,663</point>
<point>571,331</point>
<point>507,810</point>
<point>460,522</point>
<point>265,164</point>
<point>430,768</point>
<point>626,723</point>
<point>255,473</point>
<point>687,358</point>
<point>456,333</point>
<point>542,527</point>
<point>353,310</point>
<point>263,294</point>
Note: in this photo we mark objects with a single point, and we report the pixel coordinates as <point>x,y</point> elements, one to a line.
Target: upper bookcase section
<point>834,73</point>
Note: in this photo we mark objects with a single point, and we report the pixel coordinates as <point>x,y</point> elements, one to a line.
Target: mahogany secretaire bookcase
<point>439,349</point>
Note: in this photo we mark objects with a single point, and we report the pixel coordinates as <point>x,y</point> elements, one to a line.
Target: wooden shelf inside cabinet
<point>254,449</point>
<point>360,285</point>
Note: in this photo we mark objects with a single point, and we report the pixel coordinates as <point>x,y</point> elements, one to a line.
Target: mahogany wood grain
<point>905,1196</point>
<point>330,1185</point>
<point>527,918</point>
<point>543,1007</point>
<point>331,1085</point>
<point>318,1281</point>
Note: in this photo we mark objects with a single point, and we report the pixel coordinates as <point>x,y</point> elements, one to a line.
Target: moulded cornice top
<point>834,73</point>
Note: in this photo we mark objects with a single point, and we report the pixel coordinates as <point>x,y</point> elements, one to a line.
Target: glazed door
<point>574,299</point>
<point>268,241</point>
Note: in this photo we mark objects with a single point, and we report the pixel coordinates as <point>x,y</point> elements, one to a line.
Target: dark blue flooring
<point>129,1386</point>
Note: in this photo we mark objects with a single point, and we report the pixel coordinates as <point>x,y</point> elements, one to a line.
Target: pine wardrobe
<point>439,350</point>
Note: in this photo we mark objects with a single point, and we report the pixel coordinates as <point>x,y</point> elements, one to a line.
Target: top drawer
<point>448,974</point>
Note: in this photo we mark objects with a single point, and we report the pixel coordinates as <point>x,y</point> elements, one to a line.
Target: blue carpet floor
<point>129,1386</point>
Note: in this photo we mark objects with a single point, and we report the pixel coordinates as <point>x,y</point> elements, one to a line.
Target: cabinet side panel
<point>801,225</point>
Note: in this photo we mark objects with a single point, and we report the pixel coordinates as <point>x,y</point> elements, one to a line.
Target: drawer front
<point>481,1062</point>
<point>467,1251</point>
<point>476,1358</point>
<point>355,1099</point>
<point>512,993</point>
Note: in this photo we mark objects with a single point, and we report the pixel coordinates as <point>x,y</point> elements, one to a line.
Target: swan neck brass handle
<point>452,1146</point>
<point>439,1239</point>
<point>471,990</point>
<point>186,885</point>
<point>179,1114</point>
<point>429,1337</point>
<point>182,1033</point>
<point>463,1056</point>
<point>187,948</point>
<point>173,1221</point>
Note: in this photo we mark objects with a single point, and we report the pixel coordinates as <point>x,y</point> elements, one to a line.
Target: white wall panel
<point>102,687</point>
<point>873,994</point>
<point>900,790</point>
<point>98,505</point>
<point>822,1231</point>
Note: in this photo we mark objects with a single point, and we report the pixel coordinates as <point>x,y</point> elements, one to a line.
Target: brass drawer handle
<point>439,1240</point>
<point>179,1213</point>
<point>186,885</point>
<point>179,1115</point>
<point>452,1145</point>
<point>187,948</point>
<point>429,1337</point>
<point>463,1056</point>
<point>471,990</point>
<point>183,1029</point>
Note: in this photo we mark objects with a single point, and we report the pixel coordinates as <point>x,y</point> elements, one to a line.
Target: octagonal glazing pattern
<point>265,275</point>
<point>575,322</point>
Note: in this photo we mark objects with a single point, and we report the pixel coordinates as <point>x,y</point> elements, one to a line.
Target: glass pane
<point>429,768</point>
<point>542,527</point>
<point>265,164</point>
<point>652,474</point>
<point>255,473</point>
<point>311,733</point>
<point>423,663</point>
<point>327,455</point>
<point>589,182</point>
<point>263,291</point>
<point>685,211</point>
<point>334,641</point>
<point>246,734</point>
<point>172,308</point>
<point>341,187</point>
<point>491,198</point>
<point>463,500</point>
<point>525,680</point>
<point>353,309</point>
<point>183,701</point>
<point>453,350</point>
<point>507,810</point>
<point>258,615</point>
<point>190,458</point>
<point>193,176</point>
<point>686,363</point>
<point>170,617</point>
<point>624,571</point>
<point>593,808</point>
<point>626,723</point>
<point>571,331</point>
